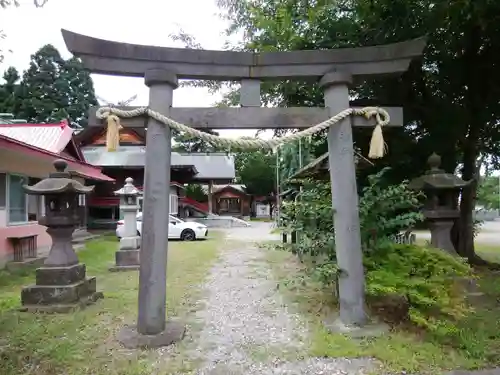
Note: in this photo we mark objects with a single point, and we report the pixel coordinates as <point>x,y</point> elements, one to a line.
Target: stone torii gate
<point>161,68</point>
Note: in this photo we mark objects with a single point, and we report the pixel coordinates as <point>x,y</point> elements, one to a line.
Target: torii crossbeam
<point>162,67</point>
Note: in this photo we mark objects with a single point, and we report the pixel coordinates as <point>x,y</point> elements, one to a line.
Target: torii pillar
<point>345,203</point>
<point>152,329</point>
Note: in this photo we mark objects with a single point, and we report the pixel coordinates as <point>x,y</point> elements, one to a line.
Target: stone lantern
<point>127,256</point>
<point>441,207</point>
<point>61,283</point>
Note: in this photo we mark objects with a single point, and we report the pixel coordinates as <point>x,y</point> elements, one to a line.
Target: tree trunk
<point>474,99</point>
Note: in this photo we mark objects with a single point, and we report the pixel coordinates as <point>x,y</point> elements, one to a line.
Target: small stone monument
<point>441,208</point>
<point>127,257</point>
<point>61,283</point>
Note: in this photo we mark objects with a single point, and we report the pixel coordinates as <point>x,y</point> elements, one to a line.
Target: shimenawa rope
<point>378,147</point>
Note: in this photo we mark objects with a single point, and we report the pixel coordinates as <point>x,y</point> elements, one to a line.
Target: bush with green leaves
<point>424,278</point>
<point>386,210</point>
<point>383,212</point>
<point>311,215</point>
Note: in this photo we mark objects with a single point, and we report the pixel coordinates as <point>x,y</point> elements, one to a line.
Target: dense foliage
<point>256,169</point>
<point>427,280</point>
<point>384,211</point>
<point>488,192</point>
<point>196,192</point>
<point>450,96</point>
<point>422,280</point>
<point>52,89</point>
<point>185,143</point>
<point>293,156</point>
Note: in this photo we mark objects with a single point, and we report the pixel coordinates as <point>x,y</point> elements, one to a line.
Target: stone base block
<point>131,339</point>
<point>63,307</point>
<point>127,258</point>
<point>130,243</point>
<point>368,330</point>
<point>70,294</point>
<point>60,275</point>
<point>123,268</point>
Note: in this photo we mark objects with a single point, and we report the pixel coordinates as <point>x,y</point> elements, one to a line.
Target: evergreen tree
<point>9,91</point>
<point>53,89</point>
<point>79,90</point>
<point>185,143</point>
<point>38,87</point>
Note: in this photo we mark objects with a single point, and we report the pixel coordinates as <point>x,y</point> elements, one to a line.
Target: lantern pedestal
<point>60,289</point>
<point>126,260</point>
<point>127,256</point>
<point>441,235</point>
<point>130,243</point>
<point>61,283</point>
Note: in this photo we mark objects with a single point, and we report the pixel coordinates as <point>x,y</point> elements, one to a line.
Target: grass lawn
<point>478,345</point>
<point>83,342</point>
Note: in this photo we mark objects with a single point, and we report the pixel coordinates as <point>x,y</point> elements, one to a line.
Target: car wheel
<point>188,235</point>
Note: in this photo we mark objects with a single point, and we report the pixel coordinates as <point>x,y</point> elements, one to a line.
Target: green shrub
<point>311,215</point>
<point>421,278</point>
<point>383,212</point>
<point>386,210</point>
<point>427,278</point>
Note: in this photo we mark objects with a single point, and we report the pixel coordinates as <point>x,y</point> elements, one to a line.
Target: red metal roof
<point>49,137</point>
<point>87,170</point>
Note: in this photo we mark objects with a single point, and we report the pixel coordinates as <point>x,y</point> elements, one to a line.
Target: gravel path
<point>247,327</point>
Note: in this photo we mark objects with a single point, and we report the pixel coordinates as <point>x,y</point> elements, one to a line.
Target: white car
<point>177,229</point>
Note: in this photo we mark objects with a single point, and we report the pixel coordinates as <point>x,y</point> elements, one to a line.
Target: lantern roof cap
<point>58,182</point>
<point>128,188</point>
<point>436,178</point>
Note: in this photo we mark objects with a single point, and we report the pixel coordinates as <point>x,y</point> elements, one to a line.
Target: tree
<point>456,82</point>
<point>257,171</point>
<point>196,192</point>
<point>450,96</point>
<point>488,192</point>
<point>185,143</point>
<point>53,89</point>
<point>9,99</point>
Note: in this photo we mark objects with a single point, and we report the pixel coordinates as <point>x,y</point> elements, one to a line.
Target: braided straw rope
<point>377,144</point>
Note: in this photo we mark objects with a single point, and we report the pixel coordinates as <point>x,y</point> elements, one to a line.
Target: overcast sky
<point>141,22</point>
